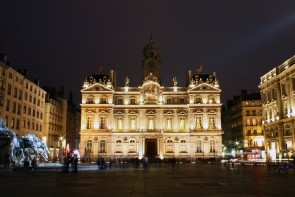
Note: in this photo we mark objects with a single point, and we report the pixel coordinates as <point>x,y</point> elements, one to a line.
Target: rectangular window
<point>182,123</point>
<point>17,123</point>
<point>9,89</point>
<point>12,123</point>
<point>19,94</point>
<point>119,123</point>
<point>7,105</point>
<point>103,124</point>
<point>132,123</point>
<point>211,122</point>
<point>169,123</point>
<point>18,109</point>
<point>15,93</point>
<point>199,122</point>
<point>14,107</point>
<point>151,123</point>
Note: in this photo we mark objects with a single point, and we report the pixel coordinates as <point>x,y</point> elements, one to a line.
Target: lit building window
<point>102,146</point>
<point>199,122</point>
<point>169,146</point>
<point>182,123</point>
<point>119,123</point>
<point>90,100</point>
<point>211,122</point>
<point>183,146</point>
<point>103,124</point>
<point>212,146</point>
<point>90,122</point>
<point>132,123</point>
<point>89,145</point>
<point>169,123</point>
<point>199,146</point>
<point>198,100</point>
<point>132,146</point>
<point>118,146</point>
<point>103,100</point>
<point>151,123</point>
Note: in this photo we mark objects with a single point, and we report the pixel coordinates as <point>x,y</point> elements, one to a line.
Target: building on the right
<point>277,88</point>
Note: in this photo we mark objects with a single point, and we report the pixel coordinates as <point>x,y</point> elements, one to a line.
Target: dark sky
<point>62,42</point>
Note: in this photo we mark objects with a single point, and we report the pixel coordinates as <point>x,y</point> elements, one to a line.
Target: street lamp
<point>60,149</point>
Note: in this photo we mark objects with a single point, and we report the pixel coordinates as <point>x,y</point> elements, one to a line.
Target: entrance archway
<point>151,147</point>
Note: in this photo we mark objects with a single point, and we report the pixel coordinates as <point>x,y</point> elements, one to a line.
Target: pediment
<point>97,87</point>
<point>204,87</point>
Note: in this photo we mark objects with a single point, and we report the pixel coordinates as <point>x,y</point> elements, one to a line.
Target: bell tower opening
<point>151,62</point>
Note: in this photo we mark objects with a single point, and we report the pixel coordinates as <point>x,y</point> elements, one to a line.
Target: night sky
<point>62,42</point>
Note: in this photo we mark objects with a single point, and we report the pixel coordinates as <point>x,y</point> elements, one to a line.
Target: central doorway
<point>151,147</point>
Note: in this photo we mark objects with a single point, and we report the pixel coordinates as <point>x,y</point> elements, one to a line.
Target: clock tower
<point>151,62</point>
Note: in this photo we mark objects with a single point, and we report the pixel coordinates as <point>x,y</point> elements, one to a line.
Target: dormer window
<point>119,101</point>
<point>90,100</point>
<point>103,100</point>
<point>132,101</point>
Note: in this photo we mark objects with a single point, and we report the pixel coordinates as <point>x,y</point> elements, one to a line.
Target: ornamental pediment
<point>204,87</point>
<point>168,112</point>
<point>133,112</point>
<point>150,111</point>
<point>97,87</point>
<point>181,111</point>
<point>119,112</point>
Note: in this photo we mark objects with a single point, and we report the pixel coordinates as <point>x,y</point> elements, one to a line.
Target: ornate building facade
<point>277,89</point>
<point>151,119</point>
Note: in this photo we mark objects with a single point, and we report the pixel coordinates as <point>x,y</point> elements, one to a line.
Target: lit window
<point>169,123</point>
<point>182,123</point>
<point>211,122</point>
<point>199,122</point>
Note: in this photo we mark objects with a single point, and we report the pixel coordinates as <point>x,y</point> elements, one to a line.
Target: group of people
<point>30,163</point>
<point>70,159</point>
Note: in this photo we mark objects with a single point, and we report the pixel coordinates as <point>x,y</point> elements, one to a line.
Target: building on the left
<point>25,109</point>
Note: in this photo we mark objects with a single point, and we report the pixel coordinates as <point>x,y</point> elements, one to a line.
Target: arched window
<point>198,100</point>
<point>199,146</point>
<point>119,146</point>
<point>103,100</point>
<point>120,101</point>
<point>132,101</point>
<point>102,146</point>
<point>183,146</point>
<point>169,146</point>
<point>132,146</point>
<point>211,99</point>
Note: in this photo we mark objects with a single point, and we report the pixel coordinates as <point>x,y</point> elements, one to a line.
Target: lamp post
<point>60,149</point>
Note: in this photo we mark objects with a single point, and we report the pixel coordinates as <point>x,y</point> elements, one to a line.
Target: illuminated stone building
<point>151,119</point>
<point>277,89</point>
<point>60,123</point>
<point>242,126</point>
<point>21,101</point>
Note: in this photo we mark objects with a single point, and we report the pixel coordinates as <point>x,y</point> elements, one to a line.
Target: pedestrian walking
<point>75,163</point>
<point>34,164</point>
